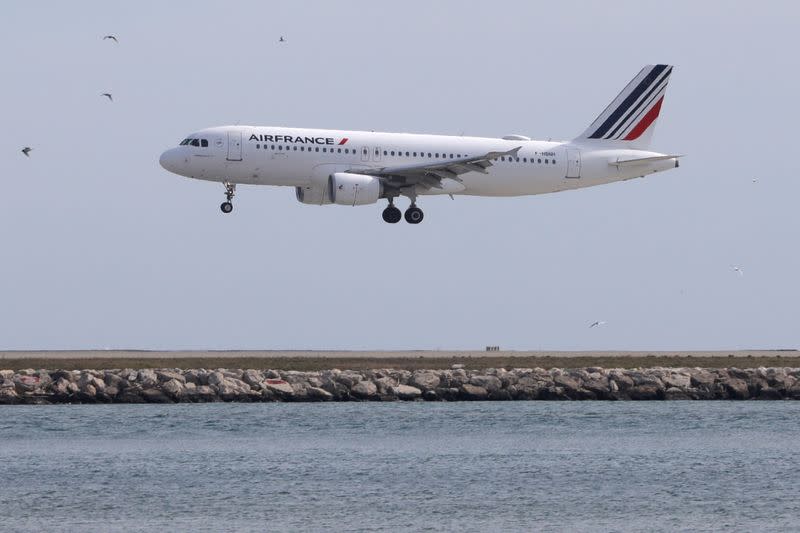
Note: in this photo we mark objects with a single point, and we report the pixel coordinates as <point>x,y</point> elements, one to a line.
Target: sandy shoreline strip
<point>407,360</point>
<point>371,354</point>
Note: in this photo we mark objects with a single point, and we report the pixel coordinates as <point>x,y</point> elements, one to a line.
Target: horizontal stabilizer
<point>642,160</point>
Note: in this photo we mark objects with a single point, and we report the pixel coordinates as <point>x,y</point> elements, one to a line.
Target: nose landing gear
<point>230,192</point>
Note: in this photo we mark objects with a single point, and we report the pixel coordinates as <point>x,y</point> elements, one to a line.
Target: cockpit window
<point>204,143</point>
<point>195,142</point>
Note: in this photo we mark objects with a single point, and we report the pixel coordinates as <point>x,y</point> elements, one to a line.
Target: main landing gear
<point>413,215</point>
<point>391,214</point>
<point>230,192</point>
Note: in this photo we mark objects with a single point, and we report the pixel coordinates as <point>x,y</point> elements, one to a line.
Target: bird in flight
<point>108,95</point>
<point>738,270</point>
<point>281,40</point>
<point>597,323</point>
<point>111,37</point>
<point>27,151</point>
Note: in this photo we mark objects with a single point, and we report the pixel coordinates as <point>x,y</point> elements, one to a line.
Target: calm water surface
<point>589,466</point>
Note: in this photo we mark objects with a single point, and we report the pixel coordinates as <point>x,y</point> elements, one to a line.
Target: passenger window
<point>524,159</point>
<point>415,154</point>
<point>339,150</point>
<point>437,155</point>
<point>272,147</point>
<point>316,148</point>
<point>204,143</point>
<point>540,160</point>
<point>258,146</point>
<point>280,147</point>
<point>407,154</point>
<point>429,154</point>
<point>325,150</point>
<point>392,152</point>
<point>554,161</point>
<point>546,161</point>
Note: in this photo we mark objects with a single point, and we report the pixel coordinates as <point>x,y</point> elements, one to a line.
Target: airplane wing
<point>430,175</point>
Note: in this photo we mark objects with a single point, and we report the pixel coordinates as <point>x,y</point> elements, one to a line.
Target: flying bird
<point>27,151</point>
<point>738,270</point>
<point>111,37</point>
<point>281,40</point>
<point>108,95</point>
<point>597,323</point>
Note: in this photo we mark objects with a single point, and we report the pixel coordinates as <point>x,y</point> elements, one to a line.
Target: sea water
<point>485,466</point>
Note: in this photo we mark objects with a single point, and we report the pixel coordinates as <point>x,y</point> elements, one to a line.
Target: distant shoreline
<point>308,360</point>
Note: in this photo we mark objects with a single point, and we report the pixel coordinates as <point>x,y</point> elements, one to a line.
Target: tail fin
<point>631,117</point>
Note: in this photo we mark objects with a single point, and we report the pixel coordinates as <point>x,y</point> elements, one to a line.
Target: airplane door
<point>234,146</point>
<point>573,164</point>
<point>376,153</point>
<point>365,154</point>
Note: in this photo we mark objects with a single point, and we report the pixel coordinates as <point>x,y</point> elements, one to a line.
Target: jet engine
<point>353,189</point>
<point>313,194</point>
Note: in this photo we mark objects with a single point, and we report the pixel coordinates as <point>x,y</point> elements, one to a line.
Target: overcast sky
<point>102,248</point>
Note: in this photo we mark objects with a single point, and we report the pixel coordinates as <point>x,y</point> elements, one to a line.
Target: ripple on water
<point>474,466</point>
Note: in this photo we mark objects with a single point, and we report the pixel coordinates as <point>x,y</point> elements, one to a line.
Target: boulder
<point>645,392</point>
<point>430,396</point>
<point>61,374</point>
<point>155,396</point>
<point>338,390</point>
<point>406,392</point>
<point>349,379</point>
<point>205,393</point>
<point>473,392</point>
<point>168,375</point>
<point>676,380</point>
<point>702,378</point>
<point>253,378</point>
<point>174,388</point>
<point>8,396</point>
<point>147,378</point>
<point>675,393</point>
<point>112,380</point>
<point>770,393</point>
<point>279,387</point>
<point>60,387</point>
<point>737,389</point>
<point>489,383</point>
<point>6,374</point>
<point>216,378</point>
<point>425,381</point>
<point>318,394</point>
<point>364,390</point>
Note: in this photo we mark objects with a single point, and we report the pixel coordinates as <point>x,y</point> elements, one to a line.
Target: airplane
<point>360,168</point>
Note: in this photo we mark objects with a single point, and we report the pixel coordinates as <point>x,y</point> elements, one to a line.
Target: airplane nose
<point>170,160</point>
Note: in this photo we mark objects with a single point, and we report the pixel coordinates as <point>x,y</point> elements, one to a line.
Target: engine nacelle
<point>353,189</point>
<point>313,194</point>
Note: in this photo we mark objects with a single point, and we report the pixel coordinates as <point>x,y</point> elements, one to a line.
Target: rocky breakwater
<point>173,385</point>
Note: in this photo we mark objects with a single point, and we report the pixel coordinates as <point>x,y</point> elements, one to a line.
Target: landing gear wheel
<point>230,192</point>
<point>414,215</point>
<point>392,215</point>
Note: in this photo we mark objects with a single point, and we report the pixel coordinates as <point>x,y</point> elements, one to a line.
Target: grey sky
<point>103,248</point>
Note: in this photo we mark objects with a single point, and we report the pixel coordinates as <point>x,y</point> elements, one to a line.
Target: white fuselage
<point>298,157</point>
